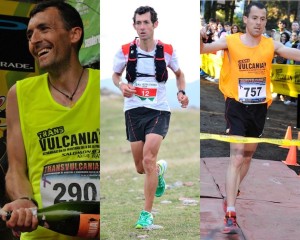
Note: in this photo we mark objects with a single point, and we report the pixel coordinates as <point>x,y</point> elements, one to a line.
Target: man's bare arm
<point>217,45</point>
<point>17,182</point>
<point>180,82</point>
<point>286,52</point>
<point>126,89</point>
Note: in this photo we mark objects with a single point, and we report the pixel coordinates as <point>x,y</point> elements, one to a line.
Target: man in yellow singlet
<point>245,83</point>
<point>51,118</point>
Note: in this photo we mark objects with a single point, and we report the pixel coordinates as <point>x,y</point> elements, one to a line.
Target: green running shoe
<point>145,220</point>
<point>161,186</point>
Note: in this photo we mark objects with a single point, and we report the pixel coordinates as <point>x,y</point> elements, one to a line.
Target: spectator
<point>295,27</point>
<point>293,43</point>
<point>284,38</point>
<point>235,29</point>
<point>221,30</point>
<point>298,47</point>
<point>282,27</point>
<point>227,26</point>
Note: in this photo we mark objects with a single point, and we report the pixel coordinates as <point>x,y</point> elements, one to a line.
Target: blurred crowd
<point>290,37</point>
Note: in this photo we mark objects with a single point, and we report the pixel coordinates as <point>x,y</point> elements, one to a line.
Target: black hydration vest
<point>161,72</point>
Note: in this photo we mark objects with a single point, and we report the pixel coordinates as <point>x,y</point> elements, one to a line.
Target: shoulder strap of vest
<point>161,72</point>
<point>126,47</point>
<point>130,50</point>
<point>168,48</point>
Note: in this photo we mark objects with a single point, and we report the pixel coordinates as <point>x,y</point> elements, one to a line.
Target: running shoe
<point>230,225</point>
<point>225,201</point>
<point>161,186</point>
<point>145,220</point>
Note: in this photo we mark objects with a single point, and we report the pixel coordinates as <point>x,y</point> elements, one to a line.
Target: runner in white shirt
<point>147,112</point>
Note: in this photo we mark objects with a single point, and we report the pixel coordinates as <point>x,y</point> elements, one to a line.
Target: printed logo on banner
<point>15,55</point>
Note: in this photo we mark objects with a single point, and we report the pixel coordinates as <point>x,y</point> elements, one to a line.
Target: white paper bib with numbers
<point>146,91</point>
<point>70,181</point>
<point>252,90</point>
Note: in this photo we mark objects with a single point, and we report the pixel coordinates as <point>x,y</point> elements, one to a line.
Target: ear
<point>75,34</point>
<point>245,18</point>
<point>155,24</point>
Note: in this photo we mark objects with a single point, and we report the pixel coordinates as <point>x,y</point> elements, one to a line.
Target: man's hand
<point>22,218</point>
<point>127,90</point>
<point>183,100</point>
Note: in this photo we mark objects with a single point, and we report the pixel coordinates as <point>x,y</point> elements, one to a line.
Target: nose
<point>142,25</point>
<point>35,37</point>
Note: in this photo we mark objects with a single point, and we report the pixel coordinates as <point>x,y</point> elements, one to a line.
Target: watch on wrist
<point>181,91</point>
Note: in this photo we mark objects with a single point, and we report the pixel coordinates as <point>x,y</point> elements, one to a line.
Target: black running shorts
<point>142,121</point>
<point>247,120</point>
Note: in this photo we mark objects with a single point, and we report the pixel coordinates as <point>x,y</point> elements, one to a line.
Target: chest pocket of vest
<point>131,64</point>
<point>161,72</point>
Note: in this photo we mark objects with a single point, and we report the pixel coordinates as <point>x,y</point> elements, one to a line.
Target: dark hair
<point>256,4</point>
<point>70,16</point>
<point>287,36</point>
<point>144,9</point>
<point>282,21</point>
<point>212,20</point>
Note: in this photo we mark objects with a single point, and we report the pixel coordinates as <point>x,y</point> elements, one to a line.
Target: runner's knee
<point>149,164</point>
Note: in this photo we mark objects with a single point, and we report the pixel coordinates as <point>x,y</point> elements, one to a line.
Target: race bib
<point>146,91</point>
<point>70,181</point>
<point>252,90</point>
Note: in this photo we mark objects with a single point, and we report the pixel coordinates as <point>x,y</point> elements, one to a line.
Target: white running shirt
<point>150,93</point>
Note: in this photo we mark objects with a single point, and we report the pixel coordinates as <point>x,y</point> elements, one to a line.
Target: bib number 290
<point>75,192</point>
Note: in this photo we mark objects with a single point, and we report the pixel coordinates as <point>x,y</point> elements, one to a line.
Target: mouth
<point>43,52</point>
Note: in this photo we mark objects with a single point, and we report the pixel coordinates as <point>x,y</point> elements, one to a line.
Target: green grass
<point>122,188</point>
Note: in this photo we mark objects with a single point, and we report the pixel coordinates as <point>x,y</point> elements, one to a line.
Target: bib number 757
<point>252,91</point>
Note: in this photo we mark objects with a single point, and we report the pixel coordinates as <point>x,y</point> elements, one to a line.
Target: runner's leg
<point>137,153</point>
<point>233,172</point>
<point>150,152</point>
<point>240,154</point>
<point>250,148</point>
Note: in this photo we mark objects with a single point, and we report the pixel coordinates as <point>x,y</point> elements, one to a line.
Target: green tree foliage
<point>277,10</point>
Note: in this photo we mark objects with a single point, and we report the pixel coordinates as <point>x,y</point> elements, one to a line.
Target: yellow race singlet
<point>62,145</point>
<point>245,74</point>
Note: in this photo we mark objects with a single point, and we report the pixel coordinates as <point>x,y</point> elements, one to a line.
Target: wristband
<point>30,199</point>
<point>181,91</point>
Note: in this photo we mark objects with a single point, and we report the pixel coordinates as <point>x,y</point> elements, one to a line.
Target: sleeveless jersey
<point>245,74</point>
<point>62,145</point>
